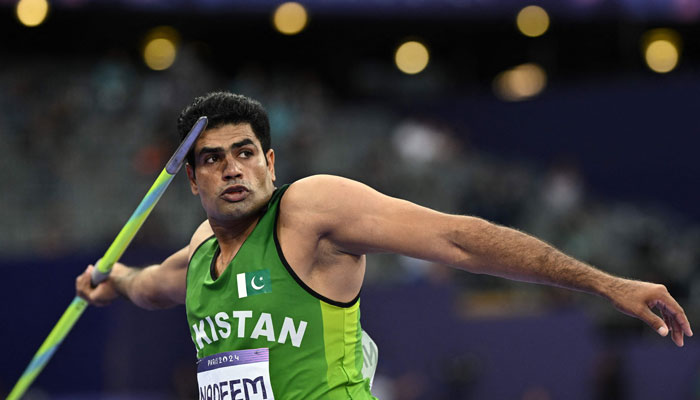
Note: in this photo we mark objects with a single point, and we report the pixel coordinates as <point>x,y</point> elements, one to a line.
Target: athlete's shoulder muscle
<point>324,192</point>
<point>332,206</point>
<point>320,201</point>
<point>202,233</point>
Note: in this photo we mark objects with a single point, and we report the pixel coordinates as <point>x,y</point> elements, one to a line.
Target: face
<point>232,176</point>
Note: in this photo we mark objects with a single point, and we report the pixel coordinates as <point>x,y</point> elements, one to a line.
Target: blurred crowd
<point>83,139</point>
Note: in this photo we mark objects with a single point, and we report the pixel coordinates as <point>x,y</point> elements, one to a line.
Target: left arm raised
<point>360,220</point>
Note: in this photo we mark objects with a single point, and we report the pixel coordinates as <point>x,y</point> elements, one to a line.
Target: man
<point>271,279</point>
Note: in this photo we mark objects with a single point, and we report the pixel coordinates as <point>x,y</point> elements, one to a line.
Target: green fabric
<point>315,344</point>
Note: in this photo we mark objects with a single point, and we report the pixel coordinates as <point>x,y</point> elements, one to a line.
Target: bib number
<point>235,375</point>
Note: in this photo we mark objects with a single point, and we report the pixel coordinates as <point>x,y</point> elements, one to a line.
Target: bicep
<point>164,284</point>
<point>172,273</point>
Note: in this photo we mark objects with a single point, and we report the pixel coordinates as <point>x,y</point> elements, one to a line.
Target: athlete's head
<point>223,108</point>
<point>231,166</point>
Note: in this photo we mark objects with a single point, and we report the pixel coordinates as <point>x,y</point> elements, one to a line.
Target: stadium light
<point>662,49</point>
<point>32,13</point>
<point>411,57</point>
<point>290,18</point>
<point>532,21</point>
<point>160,48</point>
<point>520,83</point>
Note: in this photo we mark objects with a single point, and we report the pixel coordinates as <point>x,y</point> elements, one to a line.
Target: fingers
<point>675,312</point>
<point>82,283</point>
<point>654,321</point>
<point>638,299</point>
<point>94,295</point>
<point>677,330</point>
<point>676,334</point>
<point>677,316</point>
<point>682,321</point>
<point>674,318</point>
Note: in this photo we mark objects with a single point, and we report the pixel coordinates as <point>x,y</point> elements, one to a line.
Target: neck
<point>231,237</point>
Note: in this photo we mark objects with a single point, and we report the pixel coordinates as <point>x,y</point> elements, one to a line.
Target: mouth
<point>234,193</point>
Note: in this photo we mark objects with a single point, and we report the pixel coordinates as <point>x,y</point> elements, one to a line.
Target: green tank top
<point>315,344</point>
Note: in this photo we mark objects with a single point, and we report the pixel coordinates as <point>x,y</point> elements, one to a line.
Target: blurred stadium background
<point>572,120</point>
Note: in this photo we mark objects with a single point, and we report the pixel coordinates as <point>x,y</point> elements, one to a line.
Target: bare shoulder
<point>324,199</point>
<point>322,192</point>
<point>327,206</point>
<point>202,233</point>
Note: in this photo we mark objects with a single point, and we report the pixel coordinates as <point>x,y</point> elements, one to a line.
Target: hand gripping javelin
<point>104,266</point>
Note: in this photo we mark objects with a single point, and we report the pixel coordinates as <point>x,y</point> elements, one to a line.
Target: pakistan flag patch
<point>255,282</point>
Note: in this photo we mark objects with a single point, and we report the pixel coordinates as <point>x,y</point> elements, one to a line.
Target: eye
<point>245,154</point>
<point>210,159</point>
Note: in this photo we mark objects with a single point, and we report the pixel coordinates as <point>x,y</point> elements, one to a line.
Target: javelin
<point>104,266</point>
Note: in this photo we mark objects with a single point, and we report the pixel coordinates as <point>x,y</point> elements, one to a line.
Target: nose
<point>231,169</point>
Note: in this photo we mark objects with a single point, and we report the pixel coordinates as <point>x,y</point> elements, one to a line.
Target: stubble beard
<point>236,212</point>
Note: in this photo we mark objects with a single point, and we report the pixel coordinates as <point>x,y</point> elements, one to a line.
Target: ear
<point>192,178</point>
<point>270,158</point>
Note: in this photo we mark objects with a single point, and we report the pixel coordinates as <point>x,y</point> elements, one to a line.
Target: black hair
<point>223,108</point>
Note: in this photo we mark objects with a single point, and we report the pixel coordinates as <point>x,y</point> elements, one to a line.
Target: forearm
<point>505,252</point>
<point>155,287</point>
<point>140,286</point>
<point>127,281</point>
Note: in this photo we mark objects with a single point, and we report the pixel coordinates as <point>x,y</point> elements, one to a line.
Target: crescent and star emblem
<point>256,287</point>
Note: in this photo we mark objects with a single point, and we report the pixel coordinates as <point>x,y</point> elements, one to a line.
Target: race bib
<point>235,375</point>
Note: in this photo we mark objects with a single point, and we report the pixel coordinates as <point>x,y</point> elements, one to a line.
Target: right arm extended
<point>154,287</point>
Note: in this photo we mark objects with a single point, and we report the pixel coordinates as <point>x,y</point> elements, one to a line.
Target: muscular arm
<point>154,287</point>
<point>359,220</point>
